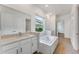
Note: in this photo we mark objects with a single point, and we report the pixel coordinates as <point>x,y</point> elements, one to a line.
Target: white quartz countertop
<point>5,41</point>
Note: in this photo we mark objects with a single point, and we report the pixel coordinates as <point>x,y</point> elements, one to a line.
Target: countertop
<point>11,39</point>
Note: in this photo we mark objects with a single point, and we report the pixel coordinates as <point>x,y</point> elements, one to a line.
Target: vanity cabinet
<point>23,46</point>
<point>11,51</point>
<point>28,46</point>
<point>10,48</point>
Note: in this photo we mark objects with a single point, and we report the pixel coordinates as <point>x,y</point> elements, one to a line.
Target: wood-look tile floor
<point>65,47</point>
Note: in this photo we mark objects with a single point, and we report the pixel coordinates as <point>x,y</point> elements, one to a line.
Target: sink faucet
<point>20,33</point>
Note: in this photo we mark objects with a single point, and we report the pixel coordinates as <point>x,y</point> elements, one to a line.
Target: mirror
<point>11,20</point>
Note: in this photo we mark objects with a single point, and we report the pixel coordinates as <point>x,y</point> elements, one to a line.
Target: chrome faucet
<point>20,33</point>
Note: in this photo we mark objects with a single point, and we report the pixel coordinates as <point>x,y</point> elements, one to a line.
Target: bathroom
<point>38,28</point>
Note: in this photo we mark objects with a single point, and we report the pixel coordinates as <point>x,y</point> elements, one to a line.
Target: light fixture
<point>46,5</point>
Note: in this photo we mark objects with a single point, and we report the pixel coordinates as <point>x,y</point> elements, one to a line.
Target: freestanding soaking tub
<point>47,44</point>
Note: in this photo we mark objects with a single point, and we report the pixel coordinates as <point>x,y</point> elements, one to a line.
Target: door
<point>26,49</point>
<point>60,28</point>
<point>34,44</point>
<point>11,51</point>
<point>10,48</point>
<point>26,46</point>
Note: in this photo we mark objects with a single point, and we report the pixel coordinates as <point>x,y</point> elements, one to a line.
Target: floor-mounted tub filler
<point>48,44</point>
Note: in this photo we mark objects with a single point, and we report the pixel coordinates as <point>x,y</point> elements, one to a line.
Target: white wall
<point>22,7</point>
<point>12,21</point>
<point>74,27</point>
<point>38,12</point>
<point>67,25</point>
<point>0,23</point>
<point>0,28</point>
<point>19,23</point>
<point>51,23</point>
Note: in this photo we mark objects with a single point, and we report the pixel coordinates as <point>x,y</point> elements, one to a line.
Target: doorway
<point>60,28</point>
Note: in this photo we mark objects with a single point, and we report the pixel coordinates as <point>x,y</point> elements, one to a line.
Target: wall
<point>0,23</point>
<point>78,28</point>
<point>67,25</point>
<point>12,21</point>
<point>32,11</point>
<point>28,9</point>
<point>38,12</point>
<point>0,28</point>
<point>74,27</point>
<point>22,7</point>
<point>51,24</point>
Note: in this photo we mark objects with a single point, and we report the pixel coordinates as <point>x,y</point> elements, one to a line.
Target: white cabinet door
<point>26,46</point>
<point>11,51</point>
<point>10,48</point>
<point>34,44</point>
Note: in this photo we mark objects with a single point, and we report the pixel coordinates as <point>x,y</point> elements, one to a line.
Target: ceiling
<point>57,9</point>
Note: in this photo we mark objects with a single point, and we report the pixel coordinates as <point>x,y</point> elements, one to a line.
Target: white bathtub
<point>48,44</point>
